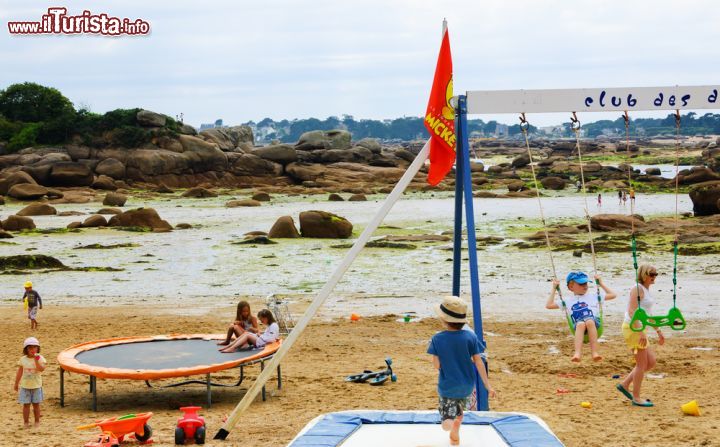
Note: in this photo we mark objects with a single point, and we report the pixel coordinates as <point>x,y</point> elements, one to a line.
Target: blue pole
<point>457,235</point>
<point>463,149</point>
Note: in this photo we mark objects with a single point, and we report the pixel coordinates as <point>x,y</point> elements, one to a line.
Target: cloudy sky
<point>284,59</point>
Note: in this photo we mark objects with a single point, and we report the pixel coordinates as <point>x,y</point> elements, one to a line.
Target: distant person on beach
<point>584,310</point>
<point>247,339</point>
<point>624,197</point>
<point>620,197</point>
<point>244,322</point>
<point>599,200</point>
<point>632,196</point>
<point>32,302</point>
<point>454,351</point>
<point>578,186</point>
<point>28,380</point>
<point>638,341</point>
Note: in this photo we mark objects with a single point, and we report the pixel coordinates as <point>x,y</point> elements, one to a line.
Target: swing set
<point>540,100</point>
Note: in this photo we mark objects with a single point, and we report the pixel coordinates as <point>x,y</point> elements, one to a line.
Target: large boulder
<point>261,196</point>
<point>27,191</point>
<point>39,172</point>
<point>698,174</point>
<point>612,222</point>
<point>199,193</point>
<point>18,223</point>
<point>554,183</point>
<point>114,199</point>
<point>370,143</point>
<point>218,137</point>
<point>516,186</point>
<point>520,161</point>
<point>94,221</point>
<point>145,162</point>
<point>13,179</point>
<point>242,203</point>
<point>705,198</point>
<point>228,138</point>
<point>112,168</point>
<point>140,217</point>
<point>150,119</point>
<point>284,228</point>
<point>187,129</point>
<point>37,209</point>
<point>279,153</point>
<point>69,173</point>
<point>105,183</point>
<point>252,165</point>
<point>203,156</point>
<point>324,139</point>
<point>653,171</point>
<point>356,154</point>
<point>321,224</point>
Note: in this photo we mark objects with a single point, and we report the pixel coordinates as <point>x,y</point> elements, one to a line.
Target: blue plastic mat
<point>334,428</point>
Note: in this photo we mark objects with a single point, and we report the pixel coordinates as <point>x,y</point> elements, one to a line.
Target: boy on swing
<point>584,310</point>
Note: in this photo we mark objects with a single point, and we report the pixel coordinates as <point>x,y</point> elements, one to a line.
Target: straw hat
<point>452,310</point>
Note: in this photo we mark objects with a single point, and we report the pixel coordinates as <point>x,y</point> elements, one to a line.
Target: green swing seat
<point>674,319</point>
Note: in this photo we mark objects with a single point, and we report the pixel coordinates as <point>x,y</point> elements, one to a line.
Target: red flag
<point>440,117</point>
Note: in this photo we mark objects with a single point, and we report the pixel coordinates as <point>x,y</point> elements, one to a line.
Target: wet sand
<point>526,364</point>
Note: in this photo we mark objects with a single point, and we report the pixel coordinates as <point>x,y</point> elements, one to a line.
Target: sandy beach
<point>528,362</point>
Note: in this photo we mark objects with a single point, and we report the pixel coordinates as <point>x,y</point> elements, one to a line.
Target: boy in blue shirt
<point>454,351</point>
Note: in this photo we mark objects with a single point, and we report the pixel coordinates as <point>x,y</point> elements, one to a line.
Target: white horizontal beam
<point>593,99</point>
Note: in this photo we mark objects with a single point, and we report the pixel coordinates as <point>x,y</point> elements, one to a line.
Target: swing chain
<point>574,123</point>
<point>524,124</point>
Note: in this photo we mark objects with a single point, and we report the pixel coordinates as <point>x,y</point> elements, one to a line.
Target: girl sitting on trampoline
<point>248,339</point>
<point>244,322</point>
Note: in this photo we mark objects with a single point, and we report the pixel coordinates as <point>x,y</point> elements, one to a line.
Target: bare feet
<point>26,425</point>
<point>596,357</point>
<point>37,424</point>
<point>223,343</point>
<point>575,358</point>
<point>455,431</point>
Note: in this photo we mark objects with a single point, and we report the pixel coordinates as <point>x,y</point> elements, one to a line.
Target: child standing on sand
<point>248,339</point>
<point>454,351</point>
<point>584,310</point>
<point>33,301</point>
<point>28,381</point>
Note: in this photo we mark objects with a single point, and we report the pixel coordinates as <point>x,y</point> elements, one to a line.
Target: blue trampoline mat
<point>515,429</point>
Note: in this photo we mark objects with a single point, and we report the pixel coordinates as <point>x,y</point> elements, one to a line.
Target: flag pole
<point>393,197</point>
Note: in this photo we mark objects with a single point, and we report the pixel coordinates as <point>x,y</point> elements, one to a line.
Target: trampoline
<point>422,428</point>
<point>159,357</point>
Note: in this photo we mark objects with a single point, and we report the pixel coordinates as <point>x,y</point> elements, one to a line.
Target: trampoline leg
<point>62,387</point>
<point>209,398</point>
<point>262,367</point>
<point>93,386</point>
<point>279,378</point>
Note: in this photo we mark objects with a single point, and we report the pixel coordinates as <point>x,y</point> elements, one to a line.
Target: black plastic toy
<point>374,378</point>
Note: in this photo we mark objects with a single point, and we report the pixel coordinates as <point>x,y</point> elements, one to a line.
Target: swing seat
<point>674,319</point>
<point>586,339</point>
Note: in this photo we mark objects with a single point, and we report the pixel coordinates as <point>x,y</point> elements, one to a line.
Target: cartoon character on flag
<point>440,117</point>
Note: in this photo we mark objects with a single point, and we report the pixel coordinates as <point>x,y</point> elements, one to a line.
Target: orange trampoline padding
<point>158,357</point>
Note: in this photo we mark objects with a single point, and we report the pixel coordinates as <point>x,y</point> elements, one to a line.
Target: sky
<point>375,59</point>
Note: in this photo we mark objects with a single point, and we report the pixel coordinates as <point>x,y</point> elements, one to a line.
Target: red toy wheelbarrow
<point>135,424</point>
